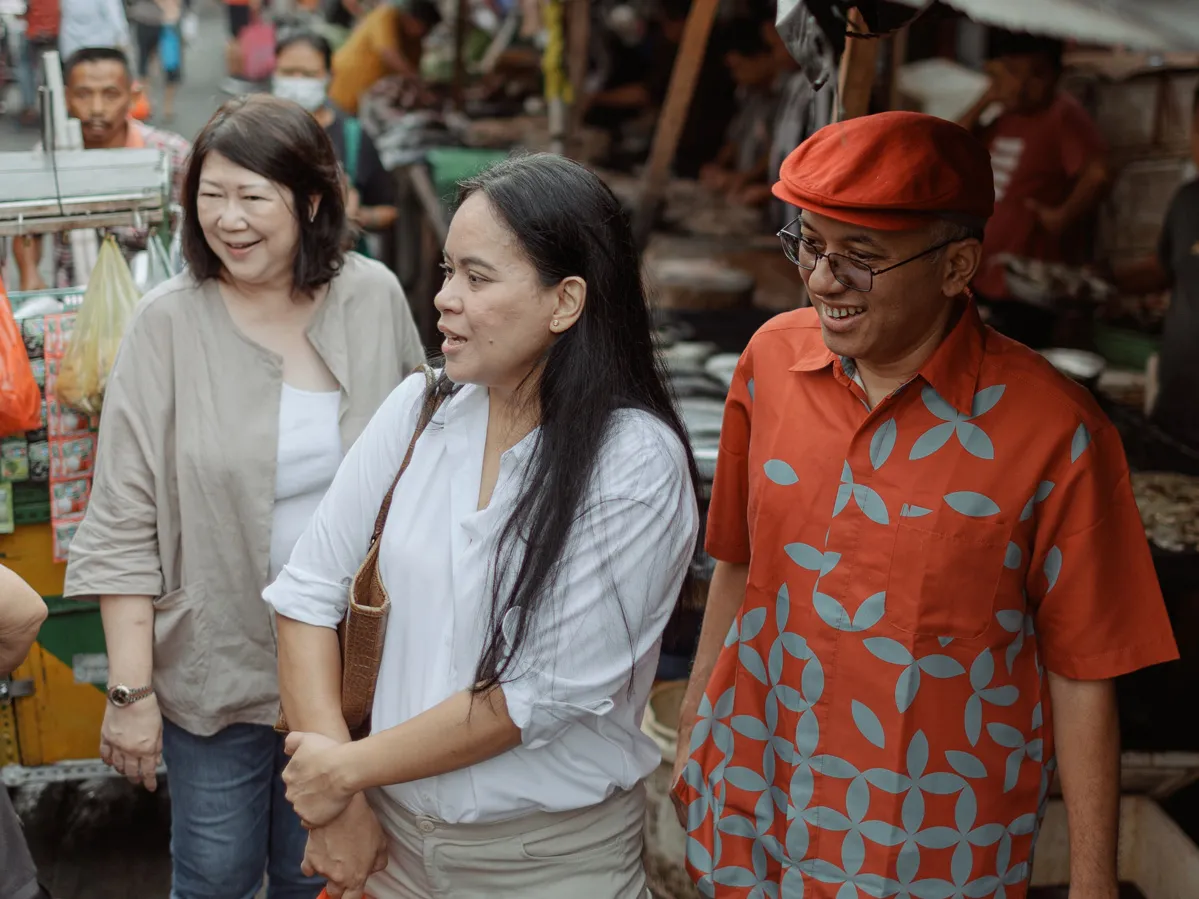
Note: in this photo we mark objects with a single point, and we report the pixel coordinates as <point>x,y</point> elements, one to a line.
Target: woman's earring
<point>554,324</point>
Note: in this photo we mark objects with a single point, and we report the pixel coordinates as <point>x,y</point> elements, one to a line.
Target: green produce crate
<point>1124,348</point>
<point>449,165</point>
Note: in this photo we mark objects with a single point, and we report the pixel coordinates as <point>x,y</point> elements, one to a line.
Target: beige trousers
<point>592,853</point>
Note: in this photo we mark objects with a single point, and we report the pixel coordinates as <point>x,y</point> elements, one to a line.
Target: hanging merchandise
<point>558,90</point>
<point>107,305</point>
<point>814,31</point>
<point>20,398</point>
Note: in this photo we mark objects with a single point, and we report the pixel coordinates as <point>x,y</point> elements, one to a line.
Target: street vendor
<point>930,566</point>
<point>388,41</point>
<point>1050,173</point>
<point>1176,268</point>
<point>100,94</point>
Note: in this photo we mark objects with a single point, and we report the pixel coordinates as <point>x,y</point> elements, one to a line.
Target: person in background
<point>100,94</point>
<point>239,386</point>
<point>302,65</point>
<point>1175,268</point>
<point>930,565</point>
<point>92,23</point>
<point>22,612</point>
<point>640,75</point>
<point>240,13</point>
<point>506,757</point>
<point>740,169</point>
<point>156,29</point>
<point>386,42</point>
<point>1050,172</point>
<point>41,34</point>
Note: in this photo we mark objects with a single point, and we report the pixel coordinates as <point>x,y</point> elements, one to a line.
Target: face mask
<point>307,92</point>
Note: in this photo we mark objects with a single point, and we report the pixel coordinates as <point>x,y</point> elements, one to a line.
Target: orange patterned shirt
<point>878,723</point>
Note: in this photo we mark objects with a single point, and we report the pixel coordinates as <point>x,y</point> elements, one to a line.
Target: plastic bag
<point>20,398</point>
<point>107,305</point>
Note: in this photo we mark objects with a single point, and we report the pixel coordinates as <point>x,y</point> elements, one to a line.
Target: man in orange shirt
<point>387,42</point>
<point>930,566</point>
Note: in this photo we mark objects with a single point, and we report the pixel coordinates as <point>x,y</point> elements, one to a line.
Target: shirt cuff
<point>541,721</point>
<point>305,598</point>
<point>1109,665</point>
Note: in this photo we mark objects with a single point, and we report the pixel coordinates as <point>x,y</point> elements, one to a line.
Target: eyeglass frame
<point>854,262</point>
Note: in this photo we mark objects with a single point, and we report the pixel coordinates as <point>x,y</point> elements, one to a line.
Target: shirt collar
<point>952,370</point>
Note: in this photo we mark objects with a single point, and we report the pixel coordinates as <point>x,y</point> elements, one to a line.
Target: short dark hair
<point>281,142</point>
<point>1019,43</point>
<point>424,11</point>
<point>96,54</point>
<point>311,39</point>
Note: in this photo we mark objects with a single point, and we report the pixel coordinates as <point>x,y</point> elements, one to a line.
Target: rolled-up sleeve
<point>115,550</point>
<point>311,588</point>
<point>624,566</point>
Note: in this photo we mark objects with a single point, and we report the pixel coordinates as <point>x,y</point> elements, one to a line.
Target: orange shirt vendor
<point>929,563</point>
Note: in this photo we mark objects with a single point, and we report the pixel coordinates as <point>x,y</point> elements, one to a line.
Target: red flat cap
<point>890,172</point>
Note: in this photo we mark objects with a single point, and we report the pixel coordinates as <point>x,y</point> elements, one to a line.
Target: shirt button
<point>426,826</point>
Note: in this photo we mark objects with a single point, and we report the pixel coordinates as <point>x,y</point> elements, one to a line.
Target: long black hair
<point>568,224</point>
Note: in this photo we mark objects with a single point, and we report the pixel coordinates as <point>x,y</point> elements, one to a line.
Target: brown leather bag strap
<point>433,401</point>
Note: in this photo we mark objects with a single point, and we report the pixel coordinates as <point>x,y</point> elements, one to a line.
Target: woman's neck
<point>324,116</point>
<point>511,415</point>
<point>263,295</point>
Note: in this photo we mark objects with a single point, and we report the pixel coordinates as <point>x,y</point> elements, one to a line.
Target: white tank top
<point>308,456</point>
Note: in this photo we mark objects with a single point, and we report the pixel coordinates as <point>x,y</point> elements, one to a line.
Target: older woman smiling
<point>238,387</point>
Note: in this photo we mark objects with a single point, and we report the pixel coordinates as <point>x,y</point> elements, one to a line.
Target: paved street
<point>199,95</point>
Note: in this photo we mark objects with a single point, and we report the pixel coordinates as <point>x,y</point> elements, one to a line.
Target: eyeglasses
<point>850,272</point>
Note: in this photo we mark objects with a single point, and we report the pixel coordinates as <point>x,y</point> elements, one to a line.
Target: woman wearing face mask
<point>238,387</point>
<point>302,72</point>
<point>533,552</point>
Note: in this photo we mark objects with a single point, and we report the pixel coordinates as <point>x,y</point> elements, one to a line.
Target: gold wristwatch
<point>121,696</point>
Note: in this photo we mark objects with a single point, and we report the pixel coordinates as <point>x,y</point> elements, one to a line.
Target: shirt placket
<point>852,574</point>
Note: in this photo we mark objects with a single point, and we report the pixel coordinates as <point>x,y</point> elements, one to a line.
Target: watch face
<point>120,695</point>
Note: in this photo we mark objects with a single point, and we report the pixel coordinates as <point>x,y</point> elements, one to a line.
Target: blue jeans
<point>230,820</point>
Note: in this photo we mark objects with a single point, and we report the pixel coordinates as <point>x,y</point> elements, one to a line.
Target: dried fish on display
<point>1169,506</point>
<point>691,208</point>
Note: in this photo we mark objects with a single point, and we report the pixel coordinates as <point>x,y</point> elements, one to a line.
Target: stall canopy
<point>1137,24</point>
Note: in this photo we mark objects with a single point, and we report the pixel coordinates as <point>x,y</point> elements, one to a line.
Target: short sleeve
<point>375,185</point>
<point>728,512</point>
<point>1098,609</point>
<point>115,550</point>
<point>1080,140</point>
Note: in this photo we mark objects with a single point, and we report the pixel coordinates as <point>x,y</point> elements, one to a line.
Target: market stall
<point>52,706</point>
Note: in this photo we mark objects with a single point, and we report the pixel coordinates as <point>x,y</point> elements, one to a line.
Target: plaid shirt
<point>131,240</point>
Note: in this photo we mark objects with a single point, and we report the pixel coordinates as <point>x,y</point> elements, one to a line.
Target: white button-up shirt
<point>583,677</point>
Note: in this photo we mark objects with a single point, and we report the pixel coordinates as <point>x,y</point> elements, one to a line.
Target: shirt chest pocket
<point>945,575</point>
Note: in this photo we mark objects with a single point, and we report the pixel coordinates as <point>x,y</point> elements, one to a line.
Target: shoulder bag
<point>361,632</point>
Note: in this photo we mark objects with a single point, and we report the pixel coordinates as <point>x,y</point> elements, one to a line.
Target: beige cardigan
<point>184,492</point>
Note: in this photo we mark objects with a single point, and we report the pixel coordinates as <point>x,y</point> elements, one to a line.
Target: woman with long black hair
<point>533,553</point>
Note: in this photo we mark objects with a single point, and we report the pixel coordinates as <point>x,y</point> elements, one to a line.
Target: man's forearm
<point>1087,193</point>
<point>1087,733</point>
<point>725,598</point>
<point>310,679</point>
